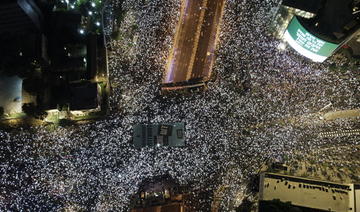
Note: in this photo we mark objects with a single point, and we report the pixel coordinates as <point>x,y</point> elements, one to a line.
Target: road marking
<point>339,133</point>
<point>197,34</point>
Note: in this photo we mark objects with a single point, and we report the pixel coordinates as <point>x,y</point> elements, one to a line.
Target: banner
<point>307,44</point>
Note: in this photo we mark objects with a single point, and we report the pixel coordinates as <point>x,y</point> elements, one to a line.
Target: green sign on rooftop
<point>307,44</point>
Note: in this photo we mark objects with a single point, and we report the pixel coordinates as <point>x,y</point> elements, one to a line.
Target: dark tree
<point>245,206</point>
<point>33,111</point>
<point>34,85</point>
<point>1,111</point>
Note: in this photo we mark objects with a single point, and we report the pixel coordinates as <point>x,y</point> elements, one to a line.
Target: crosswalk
<point>340,133</point>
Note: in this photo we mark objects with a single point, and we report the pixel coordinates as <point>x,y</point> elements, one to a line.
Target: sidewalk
<point>341,114</point>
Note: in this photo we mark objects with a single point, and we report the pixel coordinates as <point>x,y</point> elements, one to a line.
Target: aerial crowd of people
<point>263,105</point>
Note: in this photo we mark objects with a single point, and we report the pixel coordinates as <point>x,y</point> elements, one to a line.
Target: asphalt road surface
<point>192,55</point>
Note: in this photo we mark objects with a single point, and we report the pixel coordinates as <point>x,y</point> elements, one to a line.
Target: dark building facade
<point>19,16</point>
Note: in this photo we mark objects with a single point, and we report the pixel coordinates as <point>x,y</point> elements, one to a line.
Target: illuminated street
<point>195,41</point>
<point>265,105</point>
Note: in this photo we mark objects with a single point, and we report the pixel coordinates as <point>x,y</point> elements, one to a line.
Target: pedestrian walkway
<point>342,114</point>
<point>340,133</point>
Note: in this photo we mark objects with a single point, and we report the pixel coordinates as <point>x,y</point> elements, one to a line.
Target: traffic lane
<point>185,42</point>
<point>188,43</point>
<point>207,41</point>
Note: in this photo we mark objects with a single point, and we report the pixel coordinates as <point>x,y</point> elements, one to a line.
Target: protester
<point>230,132</point>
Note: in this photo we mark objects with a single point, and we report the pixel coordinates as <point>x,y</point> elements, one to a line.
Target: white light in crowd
<point>67,1</point>
<point>72,6</point>
<point>97,23</point>
<point>84,60</point>
<point>90,12</point>
<point>282,46</point>
<point>81,31</point>
<point>93,4</point>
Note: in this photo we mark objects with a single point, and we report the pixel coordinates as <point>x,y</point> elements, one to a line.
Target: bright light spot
<point>282,46</point>
<point>90,12</point>
<point>157,145</point>
<point>93,4</point>
<point>72,6</point>
<point>84,60</point>
<point>81,31</point>
<point>97,23</point>
<point>67,1</point>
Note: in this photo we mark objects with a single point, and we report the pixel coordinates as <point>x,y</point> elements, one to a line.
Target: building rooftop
<point>164,134</point>
<point>172,207</point>
<point>334,20</point>
<point>308,6</point>
<point>307,193</point>
<point>20,15</point>
<point>83,96</point>
<point>79,96</point>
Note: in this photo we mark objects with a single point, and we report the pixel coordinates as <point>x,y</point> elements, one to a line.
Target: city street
<point>192,55</point>
<point>229,133</point>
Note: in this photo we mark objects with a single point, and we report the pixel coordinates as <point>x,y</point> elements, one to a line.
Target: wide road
<point>192,55</point>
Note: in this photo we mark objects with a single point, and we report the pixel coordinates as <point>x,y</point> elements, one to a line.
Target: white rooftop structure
<point>309,193</point>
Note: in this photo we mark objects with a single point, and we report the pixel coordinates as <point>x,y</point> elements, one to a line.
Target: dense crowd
<point>263,105</point>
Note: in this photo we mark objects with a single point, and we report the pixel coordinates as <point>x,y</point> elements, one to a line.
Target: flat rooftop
<point>312,6</point>
<point>163,134</point>
<point>334,20</point>
<point>172,207</point>
<point>303,192</point>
